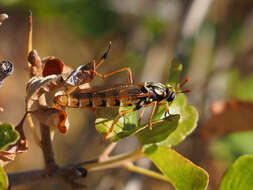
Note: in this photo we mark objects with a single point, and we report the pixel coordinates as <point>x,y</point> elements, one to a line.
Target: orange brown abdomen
<point>94,100</point>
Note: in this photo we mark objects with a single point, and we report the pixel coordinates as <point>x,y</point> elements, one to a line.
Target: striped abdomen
<point>98,100</point>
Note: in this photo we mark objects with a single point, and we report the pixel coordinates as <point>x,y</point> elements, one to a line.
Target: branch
<point>71,172</point>
<point>29,177</point>
<point>47,148</point>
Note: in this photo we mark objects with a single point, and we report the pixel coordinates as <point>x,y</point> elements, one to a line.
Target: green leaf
<point>187,122</point>
<point>8,135</point>
<point>182,173</point>
<point>233,145</point>
<point>239,175</point>
<point>125,126</point>
<point>154,25</point>
<point>175,72</point>
<point>240,87</point>
<point>3,179</point>
<point>160,131</point>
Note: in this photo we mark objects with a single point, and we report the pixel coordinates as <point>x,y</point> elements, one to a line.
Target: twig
<point>33,131</point>
<point>105,154</point>
<point>114,161</point>
<point>29,44</point>
<point>47,149</point>
<point>129,166</point>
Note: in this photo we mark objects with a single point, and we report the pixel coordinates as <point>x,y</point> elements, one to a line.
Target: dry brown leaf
<point>228,117</point>
<point>20,146</point>
<point>36,86</point>
<point>35,61</point>
<point>53,65</point>
<point>53,117</point>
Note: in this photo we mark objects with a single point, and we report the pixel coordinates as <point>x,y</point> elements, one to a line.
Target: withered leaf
<point>21,145</point>
<point>52,65</point>
<point>228,117</point>
<point>36,86</point>
<point>53,117</point>
<point>36,64</point>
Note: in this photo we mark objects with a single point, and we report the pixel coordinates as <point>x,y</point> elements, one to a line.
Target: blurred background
<point>212,38</point>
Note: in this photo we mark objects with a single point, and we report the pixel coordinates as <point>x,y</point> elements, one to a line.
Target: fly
<point>139,95</point>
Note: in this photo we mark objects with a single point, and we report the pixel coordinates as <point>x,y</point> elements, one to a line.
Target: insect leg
<point>121,113</point>
<point>152,113</point>
<point>166,104</point>
<point>102,59</point>
<point>141,115</point>
<point>130,79</point>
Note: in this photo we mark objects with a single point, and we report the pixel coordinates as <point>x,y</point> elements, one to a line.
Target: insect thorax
<point>156,91</point>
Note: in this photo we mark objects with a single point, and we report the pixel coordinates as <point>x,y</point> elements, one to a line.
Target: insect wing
<point>117,91</point>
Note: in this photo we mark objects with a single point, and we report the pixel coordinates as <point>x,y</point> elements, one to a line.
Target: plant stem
<point>47,149</point>
<point>133,168</point>
<point>105,154</point>
<point>30,32</point>
<point>114,161</point>
<point>33,131</point>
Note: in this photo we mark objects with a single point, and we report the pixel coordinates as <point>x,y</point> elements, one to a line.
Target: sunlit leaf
<point>128,124</point>
<point>8,135</point>
<point>3,179</point>
<point>161,129</point>
<point>21,145</point>
<point>187,122</point>
<point>182,173</point>
<point>239,175</point>
<point>125,126</point>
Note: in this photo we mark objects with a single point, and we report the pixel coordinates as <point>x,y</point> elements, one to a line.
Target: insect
<point>139,95</point>
<point>85,73</point>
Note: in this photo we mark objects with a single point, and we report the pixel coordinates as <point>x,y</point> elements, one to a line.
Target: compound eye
<point>172,97</point>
